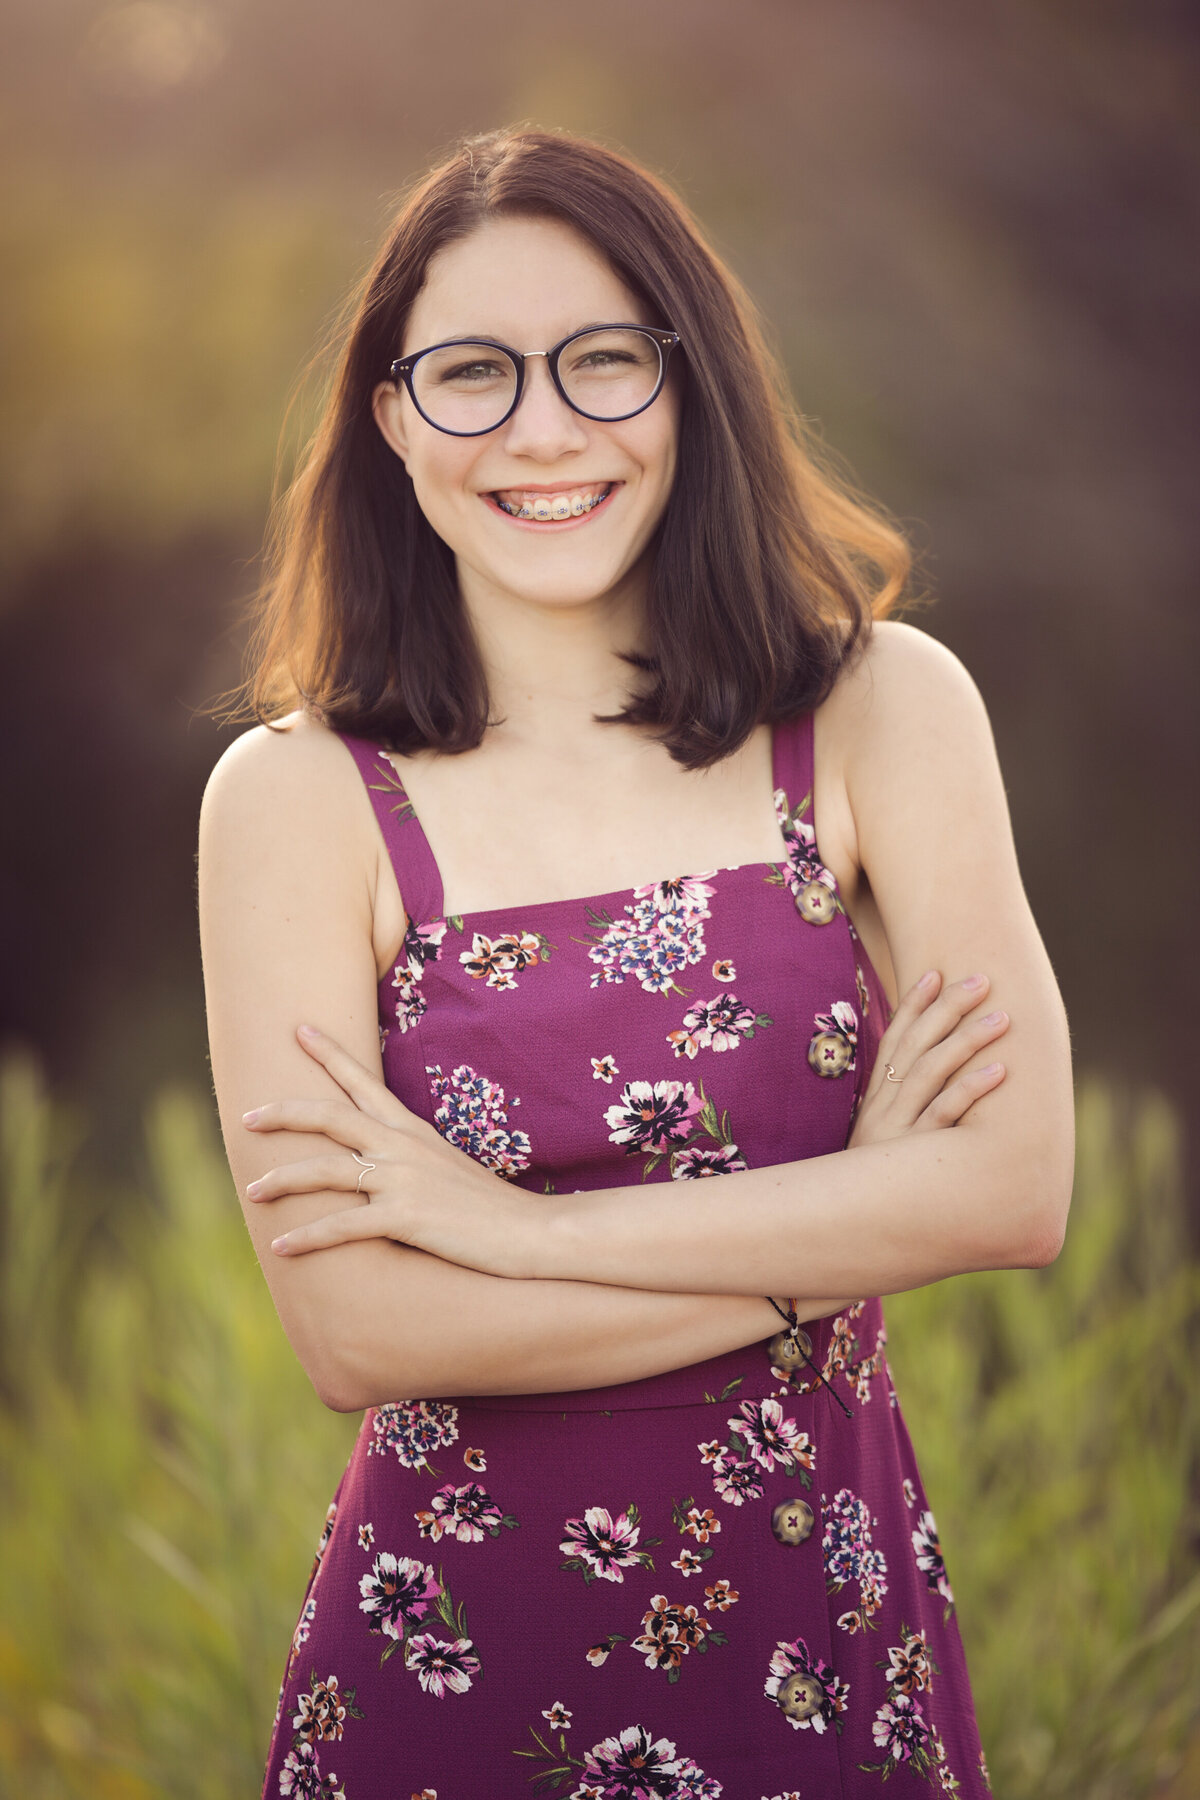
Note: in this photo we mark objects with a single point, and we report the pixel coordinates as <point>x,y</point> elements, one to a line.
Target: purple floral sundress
<point>720,1581</point>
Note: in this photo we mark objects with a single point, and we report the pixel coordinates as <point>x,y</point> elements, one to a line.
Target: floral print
<point>464,1513</point>
<point>442,1667</point>
<point>396,1593</point>
<point>653,1116</point>
<point>322,1712</point>
<point>761,1440</point>
<point>770,1439</point>
<point>605,1542</point>
<point>805,1688</point>
<point>422,944</point>
<point>811,884</point>
<point>400,1594</point>
<point>602,1547</point>
<point>300,1777</point>
<point>929,1557</point>
<point>661,935</point>
<point>717,1024</point>
<point>851,1558</point>
<point>411,1429</point>
<point>632,1765</point>
<point>471,1115</point>
<point>670,1632</point>
<point>669,1119</point>
<point>844,1357</point>
<point>499,961</point>
<point>833,1044</point>
<point>901,1728</point>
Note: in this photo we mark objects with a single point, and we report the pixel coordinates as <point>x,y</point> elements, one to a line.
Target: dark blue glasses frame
<point>402,370</point>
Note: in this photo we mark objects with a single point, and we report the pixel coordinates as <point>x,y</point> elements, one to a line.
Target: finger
<point>931,1071</point>
<point>340,1120</point>
<point>948,1107</point>
<point>936,1021</point>
<point>912,1004</point>
<point>366,1090</point>
<point>351,1226</point>
<point>335,1170</point>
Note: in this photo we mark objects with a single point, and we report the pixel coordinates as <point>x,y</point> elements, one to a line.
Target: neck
<point>551,668</point>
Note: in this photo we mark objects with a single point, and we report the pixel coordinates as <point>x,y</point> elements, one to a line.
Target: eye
<point>604,359</point>
<point>473,371</point>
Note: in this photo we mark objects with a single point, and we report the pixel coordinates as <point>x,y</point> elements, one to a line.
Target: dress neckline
<point>408,814</point>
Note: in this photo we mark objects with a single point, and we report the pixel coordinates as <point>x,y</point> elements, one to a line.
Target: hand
<point>927,1041</point>
<point>422,1191</point>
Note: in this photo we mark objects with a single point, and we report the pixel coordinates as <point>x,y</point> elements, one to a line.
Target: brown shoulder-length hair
<point>767,565</point>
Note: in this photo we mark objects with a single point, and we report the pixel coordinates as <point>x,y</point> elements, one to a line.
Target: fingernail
<point>974,981</point>
<point>255,1187</point>
<point>279,1244</point>
<point>928,979</point>
<point>309,1031</point>
<point>994,1018</point>
<point>992,1069</point>
<point>249,1118</point>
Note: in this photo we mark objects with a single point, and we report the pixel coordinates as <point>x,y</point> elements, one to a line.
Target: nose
<point>543,427</point>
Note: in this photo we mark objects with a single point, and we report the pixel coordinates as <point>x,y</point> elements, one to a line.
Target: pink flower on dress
<point>653,1115</point>
<point>442,1666</point>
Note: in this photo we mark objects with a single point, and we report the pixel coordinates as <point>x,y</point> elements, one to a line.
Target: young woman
<point>591,835</point>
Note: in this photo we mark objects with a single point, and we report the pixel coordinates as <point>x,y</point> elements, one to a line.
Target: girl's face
<point>529,282</point>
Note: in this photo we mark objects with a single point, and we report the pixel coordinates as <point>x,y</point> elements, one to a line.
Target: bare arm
<point>935,843</point>
<point>286,875</point>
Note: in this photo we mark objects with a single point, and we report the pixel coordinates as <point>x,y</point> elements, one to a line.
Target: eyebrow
<point>475,337</point>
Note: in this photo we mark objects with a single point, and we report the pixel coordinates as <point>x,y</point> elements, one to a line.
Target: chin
<point>554,587</point>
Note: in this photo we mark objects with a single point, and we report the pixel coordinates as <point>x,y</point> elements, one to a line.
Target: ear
<point>387,407</point>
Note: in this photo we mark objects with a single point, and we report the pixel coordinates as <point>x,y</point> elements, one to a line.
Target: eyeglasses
<point>472,385</point>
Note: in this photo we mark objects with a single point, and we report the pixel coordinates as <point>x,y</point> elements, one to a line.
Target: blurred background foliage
<point>167,1469</point>
<point>974,234</point>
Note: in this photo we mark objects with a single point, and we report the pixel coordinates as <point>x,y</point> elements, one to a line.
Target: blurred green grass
<point>165,1468</point>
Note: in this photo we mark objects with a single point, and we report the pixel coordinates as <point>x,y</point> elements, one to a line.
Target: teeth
<point>557,506</point>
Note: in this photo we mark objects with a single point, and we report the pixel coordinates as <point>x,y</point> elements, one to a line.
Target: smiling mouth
<point>566,506</point>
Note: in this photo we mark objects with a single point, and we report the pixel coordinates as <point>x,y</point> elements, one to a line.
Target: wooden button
<point>829,1053</point>
<point>800,1697</point>
<point>790,1350</point>
<point>815,902</point>
<point>792,1521</point>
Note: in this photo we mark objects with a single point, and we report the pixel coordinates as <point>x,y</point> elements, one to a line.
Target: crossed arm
<point>486,1289</point>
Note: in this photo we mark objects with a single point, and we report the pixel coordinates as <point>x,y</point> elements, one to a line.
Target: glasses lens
<point>610,374</point>
<point>465,387</point>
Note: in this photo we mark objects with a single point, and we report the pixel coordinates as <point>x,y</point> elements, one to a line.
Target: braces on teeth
<point>562,506</point>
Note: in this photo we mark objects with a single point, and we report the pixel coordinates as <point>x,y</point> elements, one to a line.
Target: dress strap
<point>417,874</point>
<point>792,759</point>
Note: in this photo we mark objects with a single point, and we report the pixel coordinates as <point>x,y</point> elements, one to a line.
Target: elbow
<point>1018,1215</point>
<point>335,1391</point>
<point>336,1379</point>
<point>346,1378</point>
<point>1045,1241</point>
<point>1041,1221</point>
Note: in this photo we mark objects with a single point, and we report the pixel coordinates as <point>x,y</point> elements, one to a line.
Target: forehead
<point>527,281</point>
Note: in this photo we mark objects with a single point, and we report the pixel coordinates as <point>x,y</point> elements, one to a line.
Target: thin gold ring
<point>366,1168</point>
<point>891,1075</point>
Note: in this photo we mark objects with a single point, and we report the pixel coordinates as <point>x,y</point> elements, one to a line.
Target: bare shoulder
<point>904,731</point>
<point>904,679</point>
<point>297,764</point>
